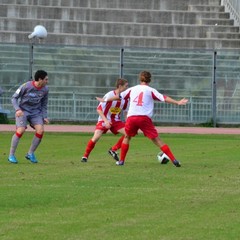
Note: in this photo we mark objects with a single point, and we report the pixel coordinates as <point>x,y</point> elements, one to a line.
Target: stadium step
<point>152,24</point>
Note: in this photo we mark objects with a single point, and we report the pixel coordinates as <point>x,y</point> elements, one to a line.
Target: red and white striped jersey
<point>112,110</point>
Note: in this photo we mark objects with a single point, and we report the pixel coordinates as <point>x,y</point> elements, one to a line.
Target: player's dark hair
<point>145,76</point>
<point>120,82</point>
<point>40,74</point>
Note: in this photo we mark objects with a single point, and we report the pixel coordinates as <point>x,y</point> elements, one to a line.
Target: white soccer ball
<point>162,158</point>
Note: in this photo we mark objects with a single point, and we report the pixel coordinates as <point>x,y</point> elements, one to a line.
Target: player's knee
<point>40,131</point>
<point>39,135</point>
<point>20,131</point>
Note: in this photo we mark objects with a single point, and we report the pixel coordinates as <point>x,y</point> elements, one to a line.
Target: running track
<point>90,129</point>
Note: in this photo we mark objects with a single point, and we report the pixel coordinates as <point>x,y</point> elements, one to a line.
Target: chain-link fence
<point>77,74</point>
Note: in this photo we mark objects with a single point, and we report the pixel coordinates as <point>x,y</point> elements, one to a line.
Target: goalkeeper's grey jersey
<point>31,99</point>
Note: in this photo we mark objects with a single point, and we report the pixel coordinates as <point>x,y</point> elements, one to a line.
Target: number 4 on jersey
<point>139,99</point>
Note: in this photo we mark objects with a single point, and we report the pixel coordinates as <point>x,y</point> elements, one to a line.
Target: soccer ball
<point>163,158</point>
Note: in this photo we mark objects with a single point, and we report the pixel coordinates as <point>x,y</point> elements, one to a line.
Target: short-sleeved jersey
<point>31,99</point>
<point>112,110</point>
<point>141,100</point>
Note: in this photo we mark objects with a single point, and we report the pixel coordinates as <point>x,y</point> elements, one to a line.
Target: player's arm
<point>125,115</point>
<point>160,97</point>
<point>14,100</point>
<point>44,104</point>
<point>183,101</point>
<point>114,98</point>
<point>125,109</point>
<point>106,121</point>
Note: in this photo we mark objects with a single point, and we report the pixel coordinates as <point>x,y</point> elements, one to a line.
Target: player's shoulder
<point>46,88</point>
<point>26,85</point>
<point>143,88</point>
<point>128,90</point>
<point>110,94</point>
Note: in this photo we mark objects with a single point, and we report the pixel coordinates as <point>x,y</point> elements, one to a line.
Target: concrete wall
<point>126,23</point>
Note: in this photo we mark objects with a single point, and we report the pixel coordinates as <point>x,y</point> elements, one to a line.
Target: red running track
<point>91,128</point>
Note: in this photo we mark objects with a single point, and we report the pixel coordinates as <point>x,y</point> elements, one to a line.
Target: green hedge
<point>3,118</point>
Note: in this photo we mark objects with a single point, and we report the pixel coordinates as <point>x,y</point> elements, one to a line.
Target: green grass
<point>62,198</point>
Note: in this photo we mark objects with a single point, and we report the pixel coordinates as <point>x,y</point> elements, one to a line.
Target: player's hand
<point>46,121</point>
<point>108,124</point>
<point>183,101</point>
<point>100,99</point>
<point>19,113</point>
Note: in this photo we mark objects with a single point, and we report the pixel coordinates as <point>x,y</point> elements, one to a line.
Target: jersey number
<point>139,99</point>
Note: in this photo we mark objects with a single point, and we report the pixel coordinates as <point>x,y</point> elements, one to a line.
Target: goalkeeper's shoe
<point>120,163</point>
<point>12,159</point>
<point>84,159</point>
<point>31,157</point>
<point>176,163</point>
<point>113,154</point>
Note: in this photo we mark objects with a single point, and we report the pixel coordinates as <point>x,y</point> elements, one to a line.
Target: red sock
<point>89,148</point>
<point>118,144</point>
<point>167,151</point>
<point>39,135</point>
<point>124,150</point>
<point>18,135</point>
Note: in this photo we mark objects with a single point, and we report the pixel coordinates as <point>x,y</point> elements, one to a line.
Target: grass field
<point>62,198</point>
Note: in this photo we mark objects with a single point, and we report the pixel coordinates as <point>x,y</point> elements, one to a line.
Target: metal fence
<point>77,74</point>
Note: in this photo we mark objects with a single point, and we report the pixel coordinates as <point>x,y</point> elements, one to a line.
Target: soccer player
<point>30,103</point>
<point>141,105</point>
<point>110,119</point>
